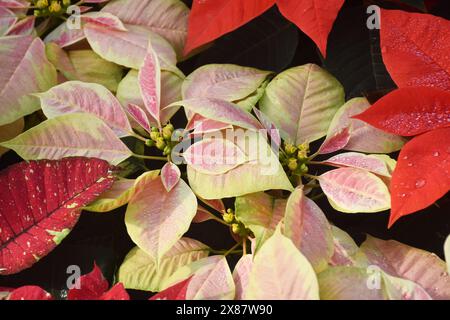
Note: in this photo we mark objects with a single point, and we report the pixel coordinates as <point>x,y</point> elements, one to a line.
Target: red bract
<point>29,293</point>
<point>410,111</point>
<point>415,49</point>
<point>422,175</point>
<point>175,292</point>
<point>313,17</point>
<point>40,203</point>
<point>94,286</point>
<point>211,19</point>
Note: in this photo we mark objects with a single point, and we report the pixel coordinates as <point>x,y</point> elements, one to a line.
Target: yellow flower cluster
<point>296,158</point>
<point>162,139</point>
<point>45,8</point>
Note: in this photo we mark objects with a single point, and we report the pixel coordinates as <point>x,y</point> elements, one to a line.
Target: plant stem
<point>319,196</point>
<point>149,157</point>
<point>232,249</point>
<point>137,136</point>
<point>214,217</point>
<point>310,176</point>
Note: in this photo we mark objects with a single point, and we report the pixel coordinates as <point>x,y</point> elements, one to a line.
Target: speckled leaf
<point>302,102</point>
<point>24,27</point>
<point>168,18</point>
<point>344,248</point>
<point>353,190</point>
<point>139,115</point>
<point>281,272</point>
<point>400,260</point>
<point>363,137</point>
<point>77,134</point>
<point>121,192</point>
<point>40,203</point>
<point>30,293</point>
<point>211,279</point>
<point>140,272</point>
<point>261,213</point>
<point>64,37</point>
<point>7,20</point>
<point>75,97</point>
<point>379,164</point>
<point>308,228</point>
<point>157,219</point>
<point>25,70</point>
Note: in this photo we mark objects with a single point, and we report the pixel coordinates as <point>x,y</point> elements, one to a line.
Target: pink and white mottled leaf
<point>374,163</point>
<point>7,20</point>
<point>150,84</point>
<point>302,102</point>
<point>76,97</point>
<point>200,125</point>
<point>63,36</point>
<point>214,156</point>
<point>353,283</point>
<point>168,18</point>
<point>344,248</point>
<point>219,110</point>
<point>211,279</point>
<point>24,27</point>
<point>264,172</point>
<point>104,19</point>
<point>121,192</point>
<point>400,260</point>
<point>25,70</point>
<point>71,135</point>
<point>363,137</point>
<point>129,48</point>
<point>14,4</point>
<point>241,275</point>
<point>139,115</point>
<point>268,125</point>
<point>353,190</point>
<point>308,228</point>
<point>157,219</point>
<point>170,176</point>
<point>281,272</point>
<point>223,81</point>
<point>336,142</point>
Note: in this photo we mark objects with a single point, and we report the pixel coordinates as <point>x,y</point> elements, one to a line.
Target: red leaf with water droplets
<point>410,111</point>
<point>210,19</point>
<point>313,17</point>
<point>29,293</point>
<point>175,292</point>
<point>93,286</point>
<point>40,203</point>
<point>415,49</point>
<point>422,175</point>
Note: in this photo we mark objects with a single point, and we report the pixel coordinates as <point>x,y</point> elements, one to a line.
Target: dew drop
<point>436,154</point>
<point>405,158</point>
<point>410,164</point>
<point>420,183</point>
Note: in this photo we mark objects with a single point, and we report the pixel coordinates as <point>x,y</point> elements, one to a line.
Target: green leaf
<point>302,102</point>
<point>140,272</point>
<point>281,272</point>
<point>261,213</point>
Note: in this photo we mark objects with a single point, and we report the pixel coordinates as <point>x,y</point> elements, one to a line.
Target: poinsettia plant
<point>255,151</point>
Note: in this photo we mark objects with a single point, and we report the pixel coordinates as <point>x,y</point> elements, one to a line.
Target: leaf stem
<point>214,217</point>
<point>232,249</point>
<point>149,157</point>
<point>311,177</point>
<point>137,136</point>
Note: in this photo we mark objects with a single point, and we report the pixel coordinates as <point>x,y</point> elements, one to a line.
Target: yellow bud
<point>160,143</point>
<point>167,132</point>
<point>304,169</point>
<point>236,228</point>
<point>55,7</point>
<point>292,164</point>
<point>155,135</point>
<point>66,3</point>
<point>41,4</point>
<point>167,150</point>
<point>290,149</point>
<point>302,155</point>
<point>228,218</point>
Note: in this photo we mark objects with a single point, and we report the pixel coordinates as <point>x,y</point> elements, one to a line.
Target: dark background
<point>269,42</point>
